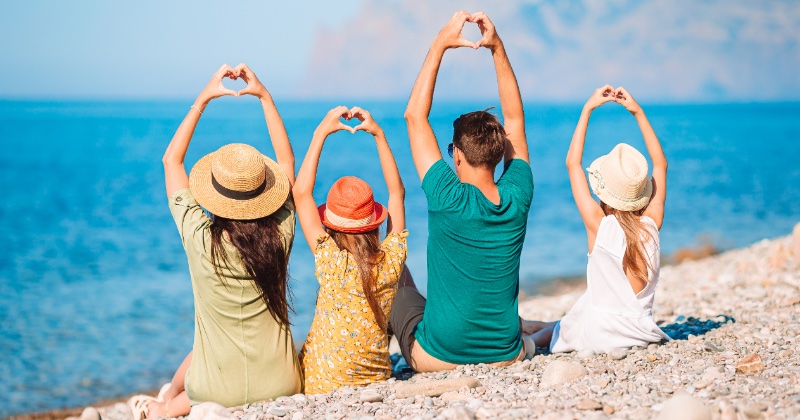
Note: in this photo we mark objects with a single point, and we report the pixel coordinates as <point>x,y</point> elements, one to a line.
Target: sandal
<point>139,406</point>
<point>163,391</point>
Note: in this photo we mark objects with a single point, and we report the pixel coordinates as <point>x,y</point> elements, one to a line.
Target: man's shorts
<point>407,311</point>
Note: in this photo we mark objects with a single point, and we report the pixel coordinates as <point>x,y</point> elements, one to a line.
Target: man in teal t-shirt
<point>476,226</point>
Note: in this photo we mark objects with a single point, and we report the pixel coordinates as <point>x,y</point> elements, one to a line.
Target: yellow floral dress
<point>345,346</point>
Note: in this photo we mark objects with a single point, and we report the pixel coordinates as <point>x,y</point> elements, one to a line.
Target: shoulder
<point>325,243</point>
<point>517,176</point>
<point>438,171</point>
<point>395,240</point>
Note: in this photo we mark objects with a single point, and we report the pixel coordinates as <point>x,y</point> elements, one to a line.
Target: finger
<point>464,43</point>
<point>359,113</point>
<point>230,92</point>
<point>345,127</point>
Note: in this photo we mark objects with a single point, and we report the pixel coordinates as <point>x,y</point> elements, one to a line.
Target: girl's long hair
<point>263,255</point>
<point>366,250</point>
<point>635,261</point>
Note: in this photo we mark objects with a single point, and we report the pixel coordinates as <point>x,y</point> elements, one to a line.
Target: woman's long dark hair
<point>265,260</point>
<point>366,249</point>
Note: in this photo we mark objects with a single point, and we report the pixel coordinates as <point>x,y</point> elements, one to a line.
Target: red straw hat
<point>351,207</point>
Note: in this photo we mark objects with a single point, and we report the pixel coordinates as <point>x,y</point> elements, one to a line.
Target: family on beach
<point>236,212</point>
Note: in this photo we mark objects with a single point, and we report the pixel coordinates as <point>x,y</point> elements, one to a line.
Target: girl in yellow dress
<point>348,344</point>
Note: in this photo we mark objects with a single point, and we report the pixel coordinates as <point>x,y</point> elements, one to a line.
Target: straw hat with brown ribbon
<point>237,182</point>
<point>620,178</point>
<point>351,207</point>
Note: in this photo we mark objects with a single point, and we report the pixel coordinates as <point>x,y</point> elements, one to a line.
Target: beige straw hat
<point>620,178</point>
<point>237,182</point>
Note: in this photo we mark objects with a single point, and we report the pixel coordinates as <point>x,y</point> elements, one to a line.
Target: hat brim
<point>262,205</point>
<point>612,201</point>
<point>380,216</point>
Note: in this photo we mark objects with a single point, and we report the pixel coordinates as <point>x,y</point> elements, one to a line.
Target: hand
<point>450,35</point>
<point>599,97</point>
<point>625,99</point>
<point>254,86</point>
<point>368,124</point>
<point>332,123</point>
<point>490,38</point>
<point>214,89</point>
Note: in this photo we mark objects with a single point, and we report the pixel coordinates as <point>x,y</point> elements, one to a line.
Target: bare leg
<point>542,337</point>
<point>532,327</point>
<point>175,401</point>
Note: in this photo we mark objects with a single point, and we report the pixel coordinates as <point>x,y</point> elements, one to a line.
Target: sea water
<point>95,298</point>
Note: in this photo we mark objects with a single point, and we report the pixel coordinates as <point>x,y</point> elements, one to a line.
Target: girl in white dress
<point>622,272</point>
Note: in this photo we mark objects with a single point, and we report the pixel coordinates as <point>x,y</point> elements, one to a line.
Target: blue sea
<point>95,298</point>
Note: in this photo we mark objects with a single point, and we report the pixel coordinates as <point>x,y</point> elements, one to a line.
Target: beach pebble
<point>209,411</point>
<point>454,396</point>
<point>618,354</point>
<point>585,354</point>
<point>682,406</point>
<point>370,395</point>
<point>277,411</point>
<point>588,404</point>
<point>298,415</point>
<point>560,371</point>
<point>608,409</point>
<point>750,364</point>
<point>458,413</point>
<point>433,388</point>
<point>90,413</point>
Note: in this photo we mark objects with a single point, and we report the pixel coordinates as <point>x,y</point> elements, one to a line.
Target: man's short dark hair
<point>480,137</point>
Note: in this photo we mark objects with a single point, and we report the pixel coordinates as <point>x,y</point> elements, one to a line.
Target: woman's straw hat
<point>620,179</point>
<point>237,182</point>
<point>351,207</point>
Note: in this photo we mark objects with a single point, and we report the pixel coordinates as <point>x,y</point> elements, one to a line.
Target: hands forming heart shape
<point>333,121</point>
<point>619,95</point>
<point>216,89</point>
<point>450,36</point>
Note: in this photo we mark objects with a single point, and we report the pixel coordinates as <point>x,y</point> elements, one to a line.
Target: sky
<point>667,50</point>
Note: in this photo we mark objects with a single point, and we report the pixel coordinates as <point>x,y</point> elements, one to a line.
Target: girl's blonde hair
<point>635,261</point>
<point>366,250</point>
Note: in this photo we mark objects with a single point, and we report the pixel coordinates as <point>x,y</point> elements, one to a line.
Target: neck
<point>482,178</point>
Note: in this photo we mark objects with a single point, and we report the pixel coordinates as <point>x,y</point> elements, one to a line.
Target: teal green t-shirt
<point>474,247</point>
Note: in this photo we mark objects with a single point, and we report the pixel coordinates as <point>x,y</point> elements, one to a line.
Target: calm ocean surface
<point>95,299</point>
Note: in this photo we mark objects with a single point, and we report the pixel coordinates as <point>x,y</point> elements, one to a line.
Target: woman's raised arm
<point>394,184</point>
<point>175,175</point>
<point>303,189</point>
<point>655,209</point>
<point>284,154</point>
<point>590,211</point>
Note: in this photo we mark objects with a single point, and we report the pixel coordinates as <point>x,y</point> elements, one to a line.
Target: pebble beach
<point>735,320</point>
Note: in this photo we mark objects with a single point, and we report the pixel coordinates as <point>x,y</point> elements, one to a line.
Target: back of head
<point>480,137</point>
<point>259,244</point>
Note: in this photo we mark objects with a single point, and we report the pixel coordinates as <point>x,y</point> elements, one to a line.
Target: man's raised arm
<point>424,147</point>
<point>510,99</point>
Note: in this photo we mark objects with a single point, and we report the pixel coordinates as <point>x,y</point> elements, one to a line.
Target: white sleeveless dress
<point>609,315</point>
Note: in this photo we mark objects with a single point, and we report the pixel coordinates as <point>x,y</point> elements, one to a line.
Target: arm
<point>655,209</point>
<point>424,147</point>
<point>394,184</point>
<point>510,99</point>
<point>303,189</point>
<point>590,210</point>
<point>277,132</point>
<point>174,172</point>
